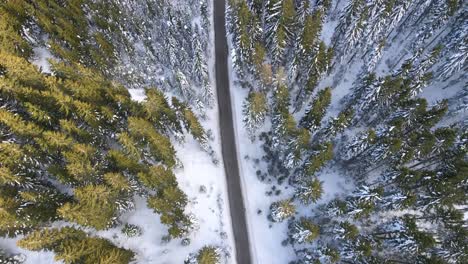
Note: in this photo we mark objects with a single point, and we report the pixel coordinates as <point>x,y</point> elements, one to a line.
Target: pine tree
<point>296,148</point>
<point>96,206</point>
<point>254,111</point>
<point>310,191</point>
<point>303,231</point>
<point>74,246</point>
<point>319,157</point>
<point>158,178</point>
<point>314,115</point>
<point>281,210</point>
<point>159,146</point>
<point>208,255</point>
<point>158,110</point>
<point>280,19</point>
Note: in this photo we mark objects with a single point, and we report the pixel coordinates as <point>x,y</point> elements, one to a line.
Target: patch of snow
<point>137,94</point>
<point>41,57</point>
<point>334,184</point>
<point>328,29</point>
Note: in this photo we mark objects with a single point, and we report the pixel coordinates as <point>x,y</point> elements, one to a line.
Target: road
<point>228,140</point>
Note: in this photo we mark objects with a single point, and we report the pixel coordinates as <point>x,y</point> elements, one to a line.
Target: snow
<point>441,90</point>
<point>137,94</point>
<point>41,57</point>
<point>334,184</point>
<point>327,31</point>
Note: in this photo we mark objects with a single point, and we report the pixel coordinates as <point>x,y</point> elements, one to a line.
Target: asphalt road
<point>228,140</point>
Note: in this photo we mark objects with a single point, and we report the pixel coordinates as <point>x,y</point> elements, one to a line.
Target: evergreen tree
<point>75,246</point>
<point>96,206</point>
<point>319,157</point>
<point>310,191</point>
<point>281,210</point>
<point>254,111</point>
<point>303,231</point>
<point>314,115</point>
<point>208,255</point>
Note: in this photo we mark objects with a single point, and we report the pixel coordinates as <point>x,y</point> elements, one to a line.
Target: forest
<point>354,114</point>
<point>74,147</point>
<point>341,86</point>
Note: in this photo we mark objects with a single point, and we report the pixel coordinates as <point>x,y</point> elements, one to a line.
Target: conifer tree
<point>74,246</point>
<point>95,206</point>
<point>315,113</point>
<point>310,191</point>
<point>254,111</point>
<point>303,231</point>
<point>208,255</point>
<point>281,210</point>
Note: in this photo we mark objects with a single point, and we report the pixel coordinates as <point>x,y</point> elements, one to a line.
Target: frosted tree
<point>254,112</point>
<point>296,148</point>
<point>309,27</point>
<point>320,254</point>
<point>245,31</point>
<point>303,231</point>
<point>320,154</point>
<point>456,62</point>
<point>206,255</point>
<point>282,210</point>
<point>279,23</point>
<point>339,123</point>
<point>11,258</point>
<point>282,123</point>
<point>204,12</point>
<point>183,86</point>
<point>404,235</point>
<point>199,67</point>
<point>310,191</point>
<point>351,26</point>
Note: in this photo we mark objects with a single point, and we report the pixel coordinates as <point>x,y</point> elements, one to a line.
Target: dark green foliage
<point>316,161</point>
<point>315,113</point>
<point>453,6</point>
<point>131,230</point>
